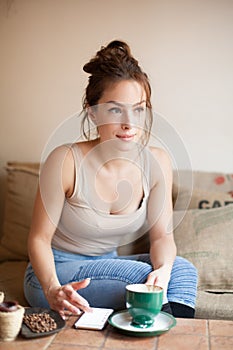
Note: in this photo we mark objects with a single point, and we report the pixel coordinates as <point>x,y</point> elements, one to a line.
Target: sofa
<point>203,230</point>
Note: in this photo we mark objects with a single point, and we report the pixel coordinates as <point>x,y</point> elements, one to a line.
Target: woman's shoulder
<point>59,155</point>
<point>65,152</point>
<point>160,154</point>
<point>160,164</point>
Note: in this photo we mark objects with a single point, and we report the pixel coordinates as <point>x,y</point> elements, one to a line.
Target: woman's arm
<point>162,245</point>
<point>56,182</point>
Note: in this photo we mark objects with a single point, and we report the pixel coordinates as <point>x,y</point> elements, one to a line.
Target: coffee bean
<point>40,323</point>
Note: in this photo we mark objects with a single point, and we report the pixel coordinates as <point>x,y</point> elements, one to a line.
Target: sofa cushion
<point>22,180</point>
<point>208,181</point>
<point>214,305</point>
<point>200,199</point>
<point>11,280</point>
<point>204,237</point>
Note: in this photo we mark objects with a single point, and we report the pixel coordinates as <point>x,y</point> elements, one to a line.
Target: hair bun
<point>91,67</point>
<point>115,49</point>
<point>119,46</point>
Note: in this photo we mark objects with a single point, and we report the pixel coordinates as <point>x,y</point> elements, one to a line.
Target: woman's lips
<point>126,137</point>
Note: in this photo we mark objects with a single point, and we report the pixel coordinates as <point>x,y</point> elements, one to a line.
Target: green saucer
<point>122,321</point>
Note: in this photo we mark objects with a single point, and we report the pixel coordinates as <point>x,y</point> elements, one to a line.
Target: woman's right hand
<point>65,299</point>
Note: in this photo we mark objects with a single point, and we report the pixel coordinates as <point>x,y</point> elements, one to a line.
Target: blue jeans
<point>109,275</point>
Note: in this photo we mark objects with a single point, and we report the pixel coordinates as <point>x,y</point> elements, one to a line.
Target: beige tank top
<point>85,230</point>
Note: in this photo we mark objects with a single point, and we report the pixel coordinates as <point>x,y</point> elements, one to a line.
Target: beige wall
<point>185,46</point>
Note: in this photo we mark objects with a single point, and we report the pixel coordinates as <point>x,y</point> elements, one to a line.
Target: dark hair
<point>111,64</point>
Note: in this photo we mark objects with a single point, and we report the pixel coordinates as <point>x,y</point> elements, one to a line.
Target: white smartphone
<point>95,320</point>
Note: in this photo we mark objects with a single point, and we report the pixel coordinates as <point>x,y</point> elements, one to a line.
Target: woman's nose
<point>127,119</point>
<point>126,126</point>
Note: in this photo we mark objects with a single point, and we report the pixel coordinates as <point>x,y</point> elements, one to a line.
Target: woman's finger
<point>152,279</point>
<point>75,309</point>
<point>68,307</point>
<point>71,288</point>
<point>73,296</point>
<point>81,284</point>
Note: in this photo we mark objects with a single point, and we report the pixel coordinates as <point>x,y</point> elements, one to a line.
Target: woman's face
<point>120,113</point>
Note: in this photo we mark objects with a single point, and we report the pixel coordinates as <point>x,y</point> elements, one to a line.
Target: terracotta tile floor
<point>187,334</point>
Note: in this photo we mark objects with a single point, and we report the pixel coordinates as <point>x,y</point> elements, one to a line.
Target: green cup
<point>144,302</point>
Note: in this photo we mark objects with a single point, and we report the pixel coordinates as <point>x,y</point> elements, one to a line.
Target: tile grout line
<point>49,343</point>
<point>156,343</point>
<point>208,334</point>
<point>105,339</point>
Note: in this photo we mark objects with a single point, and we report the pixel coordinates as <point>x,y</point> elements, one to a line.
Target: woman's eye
<point>115,110</point>
<point>139,110</point>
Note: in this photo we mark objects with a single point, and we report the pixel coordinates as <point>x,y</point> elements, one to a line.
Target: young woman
<point>104,191</point>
